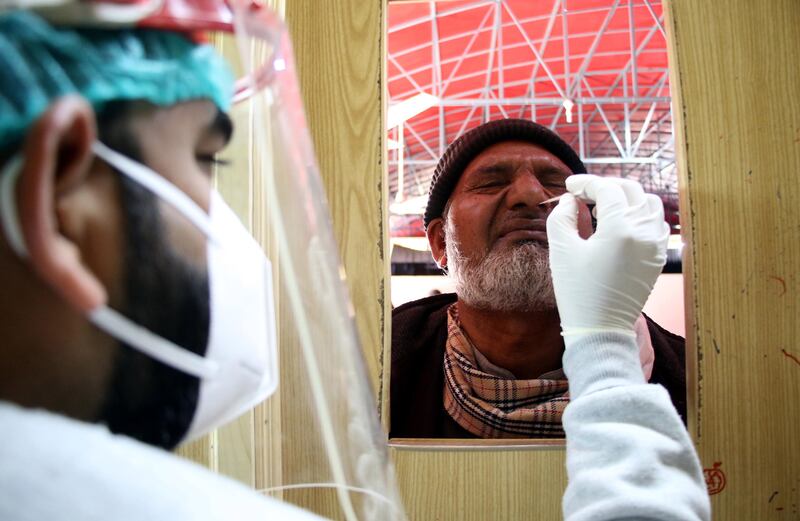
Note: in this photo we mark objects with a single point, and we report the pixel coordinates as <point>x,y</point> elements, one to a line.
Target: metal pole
<point>500,107</point>
<point>400,163</point>
<point>624,70</point>
<point>670,142</point>
<point>545,39</point>
<point>535,52</point>
<point>643,131</point>
<point>555,118</point>
<point>475,91</point>
<point>626,108</point>
<point>593,100</point>
<point>565,36</point>
<point>632,38</point>
<point>422,142</point>
<point>466,50</point>
<point>657,128</point>
<point>498,22</point>
<point>581,144</point>
<point>488,83</point>
<point>405,74</point>
<point>466,122</point>
<point>640,138</point>
<point>425,19</point>
<point>588,161</point>
<point>599,145</point>
<point>415,162</point>
<point>605,120</point>
<point>655,17</point>
<point>437,74</point>
<point>593,48</point>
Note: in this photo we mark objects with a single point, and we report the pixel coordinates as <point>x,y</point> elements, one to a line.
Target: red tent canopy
<point>593,70</point>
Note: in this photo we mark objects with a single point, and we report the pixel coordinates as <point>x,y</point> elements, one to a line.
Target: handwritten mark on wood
<point>780,281</point>
<point>715,479</point>
<point>790,356</point>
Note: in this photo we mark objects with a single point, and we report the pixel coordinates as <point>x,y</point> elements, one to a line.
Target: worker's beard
<point>510,279</point>
<point>147,399</point>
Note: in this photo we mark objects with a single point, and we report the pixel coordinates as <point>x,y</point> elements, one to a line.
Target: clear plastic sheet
<point>328,451</point>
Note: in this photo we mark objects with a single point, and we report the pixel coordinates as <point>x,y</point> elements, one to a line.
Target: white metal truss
<point>617,101</point>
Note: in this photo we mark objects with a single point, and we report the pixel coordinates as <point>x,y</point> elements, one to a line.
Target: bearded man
<point>485,362</point>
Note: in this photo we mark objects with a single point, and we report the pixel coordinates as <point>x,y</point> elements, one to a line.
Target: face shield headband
<point>240,368</point>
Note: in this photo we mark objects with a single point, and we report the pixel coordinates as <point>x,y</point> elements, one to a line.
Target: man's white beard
<point>515,279</point>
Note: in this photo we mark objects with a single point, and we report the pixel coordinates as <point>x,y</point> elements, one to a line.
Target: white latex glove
<point>602,283</point>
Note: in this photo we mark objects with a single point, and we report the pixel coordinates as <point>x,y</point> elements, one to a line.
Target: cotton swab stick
<point>551,200</point>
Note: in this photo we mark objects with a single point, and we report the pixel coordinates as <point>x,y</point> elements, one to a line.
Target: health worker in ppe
<point>137,310</point>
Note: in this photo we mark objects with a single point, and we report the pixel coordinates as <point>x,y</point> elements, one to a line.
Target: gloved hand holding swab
<point>601,283</point>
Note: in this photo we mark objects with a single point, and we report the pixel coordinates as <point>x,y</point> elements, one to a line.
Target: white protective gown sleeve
<point>628,453</point>
<point>59,469</point>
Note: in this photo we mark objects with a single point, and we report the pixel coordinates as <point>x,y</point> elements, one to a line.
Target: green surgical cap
<point>39,62</point>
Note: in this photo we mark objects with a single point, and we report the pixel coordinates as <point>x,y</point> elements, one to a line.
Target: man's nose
<point>526,190</point>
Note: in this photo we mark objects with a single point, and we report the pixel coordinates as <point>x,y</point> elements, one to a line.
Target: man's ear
<point>58,158</point>
<point>436,240</point>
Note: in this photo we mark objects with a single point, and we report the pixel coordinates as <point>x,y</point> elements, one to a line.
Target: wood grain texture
<point>201,451</point>
<point>735,84</point>
<point>481,484</point>
<point>338,52</point>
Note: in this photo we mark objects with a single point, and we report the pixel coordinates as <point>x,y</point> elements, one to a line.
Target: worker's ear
<point>57,161</point>
<point>436,240</point>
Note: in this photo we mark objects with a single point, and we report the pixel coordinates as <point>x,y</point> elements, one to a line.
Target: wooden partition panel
<point>481,484</point>
<point>735,84</point>
<point>339,52</point>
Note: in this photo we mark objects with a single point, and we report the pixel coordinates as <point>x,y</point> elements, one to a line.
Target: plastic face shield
<point>322,426</point>
<point>317,442</point>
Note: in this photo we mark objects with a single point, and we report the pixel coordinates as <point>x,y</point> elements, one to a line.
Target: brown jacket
<point>419,333</point>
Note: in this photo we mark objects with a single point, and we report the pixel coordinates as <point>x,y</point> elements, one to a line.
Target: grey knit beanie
<point>467,147</point>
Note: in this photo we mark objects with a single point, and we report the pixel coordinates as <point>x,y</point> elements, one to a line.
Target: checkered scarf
<point>490,406</point>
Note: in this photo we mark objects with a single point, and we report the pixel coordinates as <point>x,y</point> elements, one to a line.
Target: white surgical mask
<point>240,367</point>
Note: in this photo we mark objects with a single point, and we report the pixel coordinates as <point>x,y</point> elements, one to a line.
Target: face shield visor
<point>329,432</point>
<point>281,317</point>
